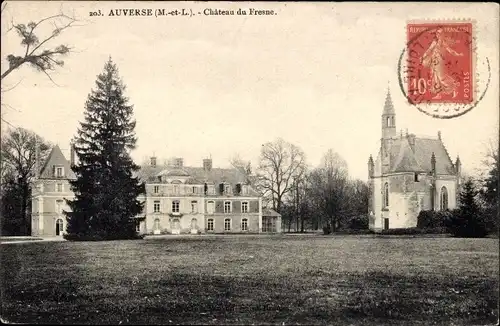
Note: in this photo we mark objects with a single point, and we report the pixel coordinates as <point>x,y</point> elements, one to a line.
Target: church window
<point>388,121</point>
<point>386,195</point>
<point>444,199</point>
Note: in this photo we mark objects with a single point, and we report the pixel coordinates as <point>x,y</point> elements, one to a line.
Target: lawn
<point>360,280</point>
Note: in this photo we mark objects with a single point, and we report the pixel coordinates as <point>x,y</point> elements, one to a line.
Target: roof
<point>193,175</point>
<point>56,158</point>
<point>405,157</point>
<point>270,212</point>
<point>388,106</point>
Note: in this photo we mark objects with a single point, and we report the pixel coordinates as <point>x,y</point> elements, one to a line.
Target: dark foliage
<point>359,222</point>
<point>105,190</point>
<point>468,220</point>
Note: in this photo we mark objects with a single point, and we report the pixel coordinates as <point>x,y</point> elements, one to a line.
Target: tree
<point>19,166</point>
<point>357,199</point>
<point>467,221</point>
<point>330,188</point>
<point>279,163</point>
<point>491,182</point>
<point>34,47</point>
<point>105,191</point>
<point>244,167</point>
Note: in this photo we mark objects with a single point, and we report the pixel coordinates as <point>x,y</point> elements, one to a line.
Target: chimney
<point>72,154</point>
<point>153,161</point>
<point>178,163</point>
<point>207,164</point>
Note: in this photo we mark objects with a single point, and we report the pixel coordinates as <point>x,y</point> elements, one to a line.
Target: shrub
<point>467,224</point>
<point>102,237</point>
<point>358,222</point>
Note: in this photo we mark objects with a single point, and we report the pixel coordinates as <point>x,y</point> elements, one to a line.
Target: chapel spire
<point>388,106</point>
<point>388,118</point>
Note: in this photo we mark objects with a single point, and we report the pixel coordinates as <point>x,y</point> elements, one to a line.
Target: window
<point>194,206</point>
<point>227,207</point>
<point>388,121</point>
<point>195,190</point>
<point>210,207</point>
<point>227,188</point>
<point>244,224</point>
<point>137,226</point>
<point>416,177</point>
<point>210,224</point>
<point>59,204</point>
<point>176,189</point>
<point>386,195</point>
<point>59,187</point>
<point>156,206</point>
<point>244,207</point>
<point>268,224</point>
<point>444,199</point>
<point>175,206</point>
<point>227,224</point>
<point>156,189</point>
<point>157,224</point>
<point>59,172</point>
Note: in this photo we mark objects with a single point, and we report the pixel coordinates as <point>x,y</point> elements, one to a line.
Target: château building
<point>409,174</point>
<point>178,199</point>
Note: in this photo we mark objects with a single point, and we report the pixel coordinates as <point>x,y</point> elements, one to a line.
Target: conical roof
<point>388,106</point>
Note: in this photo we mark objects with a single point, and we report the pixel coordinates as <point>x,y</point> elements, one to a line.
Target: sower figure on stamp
<point>434,59</point>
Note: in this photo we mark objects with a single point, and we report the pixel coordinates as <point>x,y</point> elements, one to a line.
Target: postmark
<point>439,70</point>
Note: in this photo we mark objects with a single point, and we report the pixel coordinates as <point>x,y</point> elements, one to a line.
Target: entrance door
<point>59,227</point>
<point>386,223</point>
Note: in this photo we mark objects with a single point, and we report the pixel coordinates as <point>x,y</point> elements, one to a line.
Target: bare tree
<point>36,50</point>
<point>18,150</point>
<point>330,186</point>
<point>244,167</point>
<point>280,162</point>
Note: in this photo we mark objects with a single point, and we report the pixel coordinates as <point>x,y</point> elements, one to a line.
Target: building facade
<point>409,174</point>
<point>178,199</point>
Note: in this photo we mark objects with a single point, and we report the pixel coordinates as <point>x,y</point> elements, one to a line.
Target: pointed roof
<point>56,158</point>
<point>406,160</point>
<point>405,157</point>
<point>388,106</point>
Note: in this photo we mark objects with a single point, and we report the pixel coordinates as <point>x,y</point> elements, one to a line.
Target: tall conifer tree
<point>105,189</point>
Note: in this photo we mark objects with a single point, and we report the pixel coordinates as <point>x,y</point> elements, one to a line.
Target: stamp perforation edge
<point>474,60</point>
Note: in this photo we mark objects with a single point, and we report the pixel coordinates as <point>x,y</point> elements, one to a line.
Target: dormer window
<point>227,189</point>
<point>58,171</point>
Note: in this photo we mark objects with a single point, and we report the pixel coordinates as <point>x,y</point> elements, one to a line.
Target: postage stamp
<point>440,56</point>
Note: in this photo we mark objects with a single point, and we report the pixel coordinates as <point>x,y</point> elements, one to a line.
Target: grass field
<point>361,280</point>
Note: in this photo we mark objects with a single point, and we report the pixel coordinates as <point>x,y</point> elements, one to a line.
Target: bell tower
<point>388,118</point>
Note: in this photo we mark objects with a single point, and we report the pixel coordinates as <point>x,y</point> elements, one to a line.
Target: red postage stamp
<point>440,63</point>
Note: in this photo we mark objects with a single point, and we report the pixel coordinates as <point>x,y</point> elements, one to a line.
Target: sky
<point>314,74</point>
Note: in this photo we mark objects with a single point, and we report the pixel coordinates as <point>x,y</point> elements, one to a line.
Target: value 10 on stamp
<point>440,63</point>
